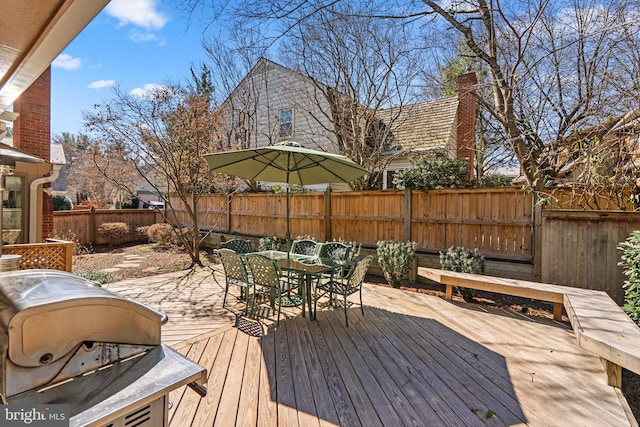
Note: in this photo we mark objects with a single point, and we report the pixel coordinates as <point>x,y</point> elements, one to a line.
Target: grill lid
<point>46,314</point>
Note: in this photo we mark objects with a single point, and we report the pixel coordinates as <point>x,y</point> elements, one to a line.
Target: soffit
<point>32,35</point>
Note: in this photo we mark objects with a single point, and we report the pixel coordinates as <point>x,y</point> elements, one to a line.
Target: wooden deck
<point>411,360</point>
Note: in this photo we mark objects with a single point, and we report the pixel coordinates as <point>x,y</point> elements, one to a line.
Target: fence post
<point>407,214</point>
<point>228,213</point>
<point>327,214</point>
<point>93,227</point>
<point>537,240</point>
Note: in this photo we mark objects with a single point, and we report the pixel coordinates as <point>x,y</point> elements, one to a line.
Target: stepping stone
<point>110,270</point>
<point>127,265</point>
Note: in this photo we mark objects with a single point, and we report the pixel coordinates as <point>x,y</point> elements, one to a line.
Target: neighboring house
<point>33,34</point>
<point>273,103</point>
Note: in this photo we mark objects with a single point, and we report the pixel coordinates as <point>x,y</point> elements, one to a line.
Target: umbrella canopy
<point>289,163</point>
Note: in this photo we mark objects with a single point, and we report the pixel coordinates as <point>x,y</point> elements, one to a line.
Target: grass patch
<point>97,276</point>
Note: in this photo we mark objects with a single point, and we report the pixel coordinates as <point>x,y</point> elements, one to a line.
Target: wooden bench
<point>599,324</point>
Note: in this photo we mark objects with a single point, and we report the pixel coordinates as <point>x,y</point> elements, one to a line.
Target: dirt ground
<point>146,260</point>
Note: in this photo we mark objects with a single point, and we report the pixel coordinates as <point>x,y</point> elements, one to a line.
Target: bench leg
<point>614,373</point>
<point>448,292</point>
<point>557,311</point>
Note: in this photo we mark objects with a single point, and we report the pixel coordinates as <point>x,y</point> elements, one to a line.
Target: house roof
<point>57,154</point>
<point>32,34</point>
<point>423,125</point>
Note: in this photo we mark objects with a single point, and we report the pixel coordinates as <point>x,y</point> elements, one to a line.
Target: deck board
<point>412,359</point>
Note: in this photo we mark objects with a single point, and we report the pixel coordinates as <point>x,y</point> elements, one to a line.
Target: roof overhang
<point>32,35</point>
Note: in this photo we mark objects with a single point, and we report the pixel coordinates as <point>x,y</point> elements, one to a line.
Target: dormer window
<point>286,123</point>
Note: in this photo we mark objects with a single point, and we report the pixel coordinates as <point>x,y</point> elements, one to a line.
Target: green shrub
<point>97,276</point>
<point>433,171</point>
<point>463,260</point>
<point>114,232</point>
<point>269,243</point>
<point>630,261</point>
<point>395,259</point>
<point>493,181</point>
<point>61,203</point>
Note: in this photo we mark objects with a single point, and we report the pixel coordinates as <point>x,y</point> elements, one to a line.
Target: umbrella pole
<point>288,235</point>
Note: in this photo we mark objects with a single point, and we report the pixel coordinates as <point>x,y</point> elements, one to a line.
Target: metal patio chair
<point>236,274</point>
<point>267,279</point>
<point>304,247</point>
<point>240,246</point>
<point>350,284</point>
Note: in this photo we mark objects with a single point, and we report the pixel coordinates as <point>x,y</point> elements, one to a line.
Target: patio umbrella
<point>288,163</point>
<point>8,158</point>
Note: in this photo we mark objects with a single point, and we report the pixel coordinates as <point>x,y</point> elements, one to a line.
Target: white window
<point>286,123</point>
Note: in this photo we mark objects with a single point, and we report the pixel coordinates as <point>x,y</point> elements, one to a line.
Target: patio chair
<point>236,274</point>
<point>267,279</point>
<point>350,284</point>
<point>240,246</point>
<point>304,247</point>
<point>335,251</point>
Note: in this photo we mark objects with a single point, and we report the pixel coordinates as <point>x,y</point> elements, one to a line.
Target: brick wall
<point>466,131</point>
<point>32,132</point>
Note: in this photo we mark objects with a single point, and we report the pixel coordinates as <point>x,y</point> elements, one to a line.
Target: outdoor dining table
<point>306,267</point>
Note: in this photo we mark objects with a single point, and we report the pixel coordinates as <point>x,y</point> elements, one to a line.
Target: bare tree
<point>163,134</point>
<point>361,67</point>
<point>553,67</point>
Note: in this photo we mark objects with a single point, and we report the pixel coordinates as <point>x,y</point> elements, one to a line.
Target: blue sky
<point>131,43</point>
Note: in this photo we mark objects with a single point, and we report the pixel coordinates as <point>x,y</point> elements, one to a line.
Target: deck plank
<point>248,402</point>
<point>307,414</point>
<point>401,394</point>
<point>412,359</point>
<point>209,405</point>
<point>227,413</point>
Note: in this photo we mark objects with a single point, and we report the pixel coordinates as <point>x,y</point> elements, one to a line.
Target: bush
<point>114,232</point>
<point>162,234</point>
<point>433,171</point>
<point>269,243</point>
<point>630,261</point>
<point>395,259</point>
<point>97,276</point>
<point>61,203</point>
<point>70,236</point>
<point>493,181</point>
<point>463,260</point>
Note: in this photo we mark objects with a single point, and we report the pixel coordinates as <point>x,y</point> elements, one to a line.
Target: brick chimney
<point>32,132</point>
<point>466,131</point>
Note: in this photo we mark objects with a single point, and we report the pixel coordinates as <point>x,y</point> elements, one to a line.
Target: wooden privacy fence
<point>496,221</point>
<point>84,223</point>
<point>580,248</point>
<point>571,248</point>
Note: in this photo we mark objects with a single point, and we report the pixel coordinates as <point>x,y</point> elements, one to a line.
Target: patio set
<point>300,276</point>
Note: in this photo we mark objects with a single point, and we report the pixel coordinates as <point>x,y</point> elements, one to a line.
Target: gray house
<point>273,104</point>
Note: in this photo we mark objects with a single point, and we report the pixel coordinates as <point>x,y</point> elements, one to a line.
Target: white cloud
<point>146,90</point>
<point>67,62</point>
<point>141,37</point>
<point>141,13</point>
<point>101,84</point>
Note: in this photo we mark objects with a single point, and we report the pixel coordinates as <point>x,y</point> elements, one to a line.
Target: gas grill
<point>66,340</point>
